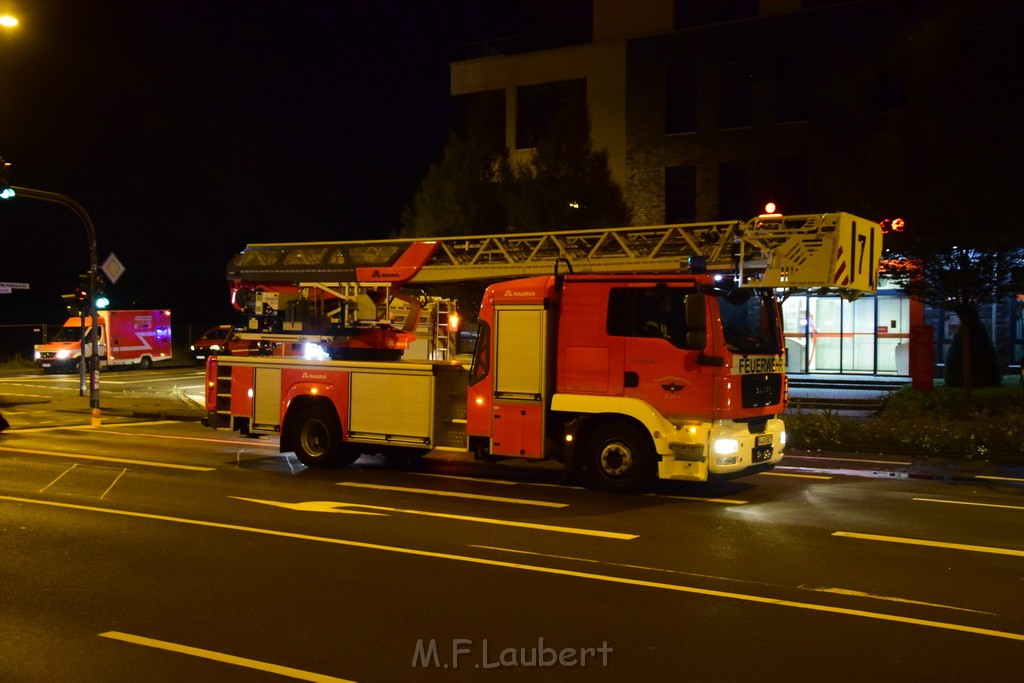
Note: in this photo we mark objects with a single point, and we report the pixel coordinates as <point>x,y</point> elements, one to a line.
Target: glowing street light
<point>8,21</point>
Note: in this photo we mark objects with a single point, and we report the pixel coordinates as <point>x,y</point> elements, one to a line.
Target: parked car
<point>217,341</point>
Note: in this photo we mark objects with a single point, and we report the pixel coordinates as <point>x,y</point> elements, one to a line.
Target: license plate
<point>45,365</point>
<point>763,440</point>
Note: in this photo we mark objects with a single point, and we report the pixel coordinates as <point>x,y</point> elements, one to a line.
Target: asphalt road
<point>156,549</point>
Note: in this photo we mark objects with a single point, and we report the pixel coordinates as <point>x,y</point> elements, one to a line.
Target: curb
<point>908,467</point>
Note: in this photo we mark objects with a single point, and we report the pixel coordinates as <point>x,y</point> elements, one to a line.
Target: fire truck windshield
<point>750,321</point>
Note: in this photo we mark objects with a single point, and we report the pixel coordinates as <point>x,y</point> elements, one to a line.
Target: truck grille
<point>47,354</point>
<point>761,390</point>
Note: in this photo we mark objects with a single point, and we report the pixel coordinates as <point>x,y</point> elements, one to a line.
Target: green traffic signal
<point>6,191</point>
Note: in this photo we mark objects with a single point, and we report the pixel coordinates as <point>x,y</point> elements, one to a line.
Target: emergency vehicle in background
<point>597,348</point>
<point>125,338</point>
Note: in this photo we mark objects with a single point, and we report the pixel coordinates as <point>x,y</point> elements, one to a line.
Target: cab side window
<point>659,312</point>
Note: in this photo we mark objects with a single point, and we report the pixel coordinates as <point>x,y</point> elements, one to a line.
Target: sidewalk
<point>850,396</point>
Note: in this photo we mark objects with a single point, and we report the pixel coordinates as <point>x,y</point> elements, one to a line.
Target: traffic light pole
<point>79,210</point>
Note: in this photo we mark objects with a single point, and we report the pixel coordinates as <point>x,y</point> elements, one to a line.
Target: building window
<point>793,83</point>
<point>680,98</point>
<point>680,194</point>
<point>828,334</point>
<point>736,91</point>
<point>480,117</point>
<point>538,105</point>
<point>735,190</point>
<point>690,13</point>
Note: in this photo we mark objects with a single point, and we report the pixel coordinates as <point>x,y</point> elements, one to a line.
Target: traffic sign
<point>112,268</point>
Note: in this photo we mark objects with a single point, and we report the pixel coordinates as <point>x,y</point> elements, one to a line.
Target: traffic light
<point>6,191</point>
<point>101,300</point>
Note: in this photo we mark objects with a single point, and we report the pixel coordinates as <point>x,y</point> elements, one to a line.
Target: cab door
<point>521,381</point>
<point>664,330</point>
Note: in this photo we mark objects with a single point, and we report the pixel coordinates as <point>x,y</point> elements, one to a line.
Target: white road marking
<point>861,594</point>
<point>331,506</point>
<point>454,494</point>
<point>551,571</point>
<point>874,462</point>
<point>964,502</point>
<point>221,657</point>
<point>103,458</point>
<point>995,478</point>
<point>723,501</point>
<point>931,544</point>
<point>795,476</point>
<point>503,482</point>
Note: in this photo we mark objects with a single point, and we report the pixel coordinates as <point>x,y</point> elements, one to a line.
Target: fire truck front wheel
<point>316,438</point>
<point>619,457</point>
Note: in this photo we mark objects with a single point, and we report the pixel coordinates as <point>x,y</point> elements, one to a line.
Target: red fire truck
<point>606,353</point>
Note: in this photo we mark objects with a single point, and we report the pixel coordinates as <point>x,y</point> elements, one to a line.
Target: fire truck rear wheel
<point>316,438</point>
<point>620,457</point>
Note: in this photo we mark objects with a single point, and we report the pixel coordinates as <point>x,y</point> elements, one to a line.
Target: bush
<point>933,423</point>
<point>984,362</point>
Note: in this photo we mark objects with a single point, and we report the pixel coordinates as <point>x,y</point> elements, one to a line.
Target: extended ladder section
<point>310,291</point>
<point>834,250</point>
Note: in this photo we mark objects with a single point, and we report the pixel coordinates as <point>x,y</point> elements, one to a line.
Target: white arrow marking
<point>330,506</point>
<point>313,506</point>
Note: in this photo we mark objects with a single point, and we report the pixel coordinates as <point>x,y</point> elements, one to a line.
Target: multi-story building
<point>711,108</point>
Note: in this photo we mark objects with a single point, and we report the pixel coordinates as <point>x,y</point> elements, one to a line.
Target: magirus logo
<point>385,274</point>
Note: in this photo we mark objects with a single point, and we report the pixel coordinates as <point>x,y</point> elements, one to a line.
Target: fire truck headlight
<point>215,347</point>
<point>63,353</point>
<point>38,355</point>
<point>311,351</point>
<point>726,446</point>
<point>782,438</point>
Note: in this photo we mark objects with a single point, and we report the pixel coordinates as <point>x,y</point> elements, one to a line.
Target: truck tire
<point>619,457</point>
<point>145,363</point>
<point>316,438</point>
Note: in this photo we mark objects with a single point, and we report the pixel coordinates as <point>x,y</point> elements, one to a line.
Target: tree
<point>476,189</point>
<point>567,185</point>
<point>961,280</point>
<point>460,195</point>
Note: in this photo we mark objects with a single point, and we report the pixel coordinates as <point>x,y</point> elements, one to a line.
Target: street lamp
<point>8,21</point>
<point>8,191</point>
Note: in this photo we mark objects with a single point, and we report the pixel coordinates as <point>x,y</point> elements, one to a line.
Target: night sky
<point>189,129</point>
